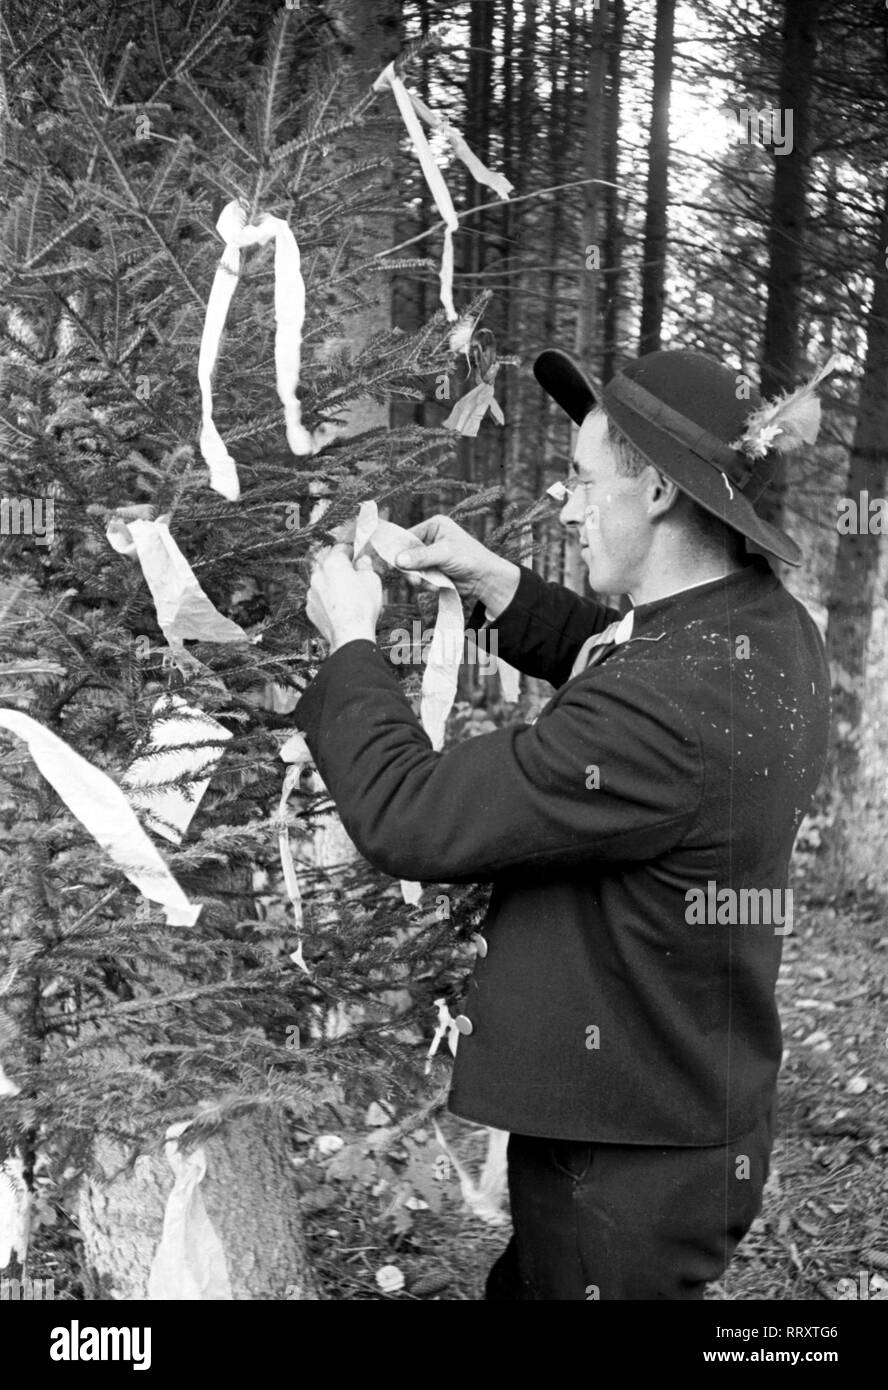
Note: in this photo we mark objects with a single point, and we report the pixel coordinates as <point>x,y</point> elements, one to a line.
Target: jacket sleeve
<point>544,627</point>
<point>613,772</point>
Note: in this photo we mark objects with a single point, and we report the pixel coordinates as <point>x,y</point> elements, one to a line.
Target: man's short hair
<point>631,462</point>
<point>707,530</point>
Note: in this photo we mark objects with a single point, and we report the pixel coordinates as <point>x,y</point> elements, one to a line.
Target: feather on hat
<point>788,421</point>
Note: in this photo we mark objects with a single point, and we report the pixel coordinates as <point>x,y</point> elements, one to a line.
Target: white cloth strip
<point>433,177</point>
<point>476,167</point>
<point>184,611</point>
<point>295,753</point>
<point>441,674</point>
<point>168,753</point>
<point>190,1260</point>
<point>289,312</point>
<point>103,810</point>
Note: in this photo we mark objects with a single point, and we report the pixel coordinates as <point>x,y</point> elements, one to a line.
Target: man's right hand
<point>476,571</point>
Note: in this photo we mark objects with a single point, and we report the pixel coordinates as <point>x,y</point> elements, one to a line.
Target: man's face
<point>607,512</point>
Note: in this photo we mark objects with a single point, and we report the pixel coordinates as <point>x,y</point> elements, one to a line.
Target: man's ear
<point>663,494</point>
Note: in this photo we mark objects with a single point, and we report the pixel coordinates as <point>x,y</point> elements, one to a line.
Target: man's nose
<point>571,513</point>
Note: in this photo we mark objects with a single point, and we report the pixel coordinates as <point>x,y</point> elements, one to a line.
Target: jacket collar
<point>705,601</point>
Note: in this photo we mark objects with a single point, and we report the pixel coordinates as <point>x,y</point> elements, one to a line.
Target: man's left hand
<point>344,600</point>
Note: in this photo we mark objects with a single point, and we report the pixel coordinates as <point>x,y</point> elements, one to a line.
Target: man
<point>621,1020</point>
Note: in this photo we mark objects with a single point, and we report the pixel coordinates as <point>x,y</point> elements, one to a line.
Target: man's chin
<point>599,581</point>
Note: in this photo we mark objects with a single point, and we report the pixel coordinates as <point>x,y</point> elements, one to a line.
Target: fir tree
<point>118,155</point>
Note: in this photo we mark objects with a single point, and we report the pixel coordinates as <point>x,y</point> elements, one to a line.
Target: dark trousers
<point>612,1221</point>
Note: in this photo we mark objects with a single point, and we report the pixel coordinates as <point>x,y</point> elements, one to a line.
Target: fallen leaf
<point>329,1143</point>
<point>390,1279</point>
<point>378,1114</point>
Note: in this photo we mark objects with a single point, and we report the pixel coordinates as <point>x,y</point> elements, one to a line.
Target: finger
<point>364,562</point>
<point>337,560</point>
<point>319,555</point>
<point>422,557</point>
<point>427,530</point>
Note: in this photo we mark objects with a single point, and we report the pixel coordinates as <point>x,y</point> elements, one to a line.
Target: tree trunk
<point>612,242</point>
<point>479,99</point>
<point>656,227</point>
<point>586,341</point>
<point>249,1195</point>
<point>786,227</point>
<point>587,330</point>
<point>414,299</point>
<point>856,569</point>
<point>370,37</point>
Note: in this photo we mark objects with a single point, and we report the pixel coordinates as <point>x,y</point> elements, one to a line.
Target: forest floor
<point>823,1217</point>
<point>822,1230</point>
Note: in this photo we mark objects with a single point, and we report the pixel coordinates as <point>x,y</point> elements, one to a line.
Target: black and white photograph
<point>443,670</point>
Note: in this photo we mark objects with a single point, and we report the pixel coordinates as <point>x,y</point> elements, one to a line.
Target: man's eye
<point>558,492</point>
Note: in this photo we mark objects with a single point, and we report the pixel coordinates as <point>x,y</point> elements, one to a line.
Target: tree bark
<point>370,37</point>
<point>587,332</point>
<point>249,1195</point>
<point>786,228</point>
<point>612,242</point>
<point>586,341</point>
<point>853,590</point>
<point>656,226</point>
<point>479,99</point>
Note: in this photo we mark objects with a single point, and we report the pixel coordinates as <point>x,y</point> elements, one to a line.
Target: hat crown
<point>696,386</point>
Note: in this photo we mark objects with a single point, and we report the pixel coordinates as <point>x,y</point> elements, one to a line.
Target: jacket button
<point>465,1025</point>
<point>480,944</point>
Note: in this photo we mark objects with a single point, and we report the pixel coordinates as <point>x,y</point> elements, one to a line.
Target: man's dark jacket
<point>686,758</point>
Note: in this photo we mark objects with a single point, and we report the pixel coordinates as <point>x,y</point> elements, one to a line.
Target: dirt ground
<point>823,1218</point>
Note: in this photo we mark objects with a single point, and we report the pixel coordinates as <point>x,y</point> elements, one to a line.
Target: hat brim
<point>567,384</point>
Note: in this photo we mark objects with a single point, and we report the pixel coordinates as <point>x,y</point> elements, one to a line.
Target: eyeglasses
<point>560,492</point>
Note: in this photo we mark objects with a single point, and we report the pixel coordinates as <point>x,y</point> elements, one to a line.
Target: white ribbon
<point>410,108</point>
<point>441,674</point>
<point>15,1199</point>
<point>483,1198</point>
<point>445,653</point>
<point>295,752</point>
<point>190,1260</point>
<point>479,170</point>
<point>15,1211</point>
<point>169,752</point>
<point>289,312</point>
<point>470,409</point>
<point>433,177</point>
<point>183,609</point>
<point>103,810</point>
<point>446,1030</point>
<point>7,1088</point>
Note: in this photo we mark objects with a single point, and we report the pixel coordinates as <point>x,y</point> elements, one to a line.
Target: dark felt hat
<point>682,411</point>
